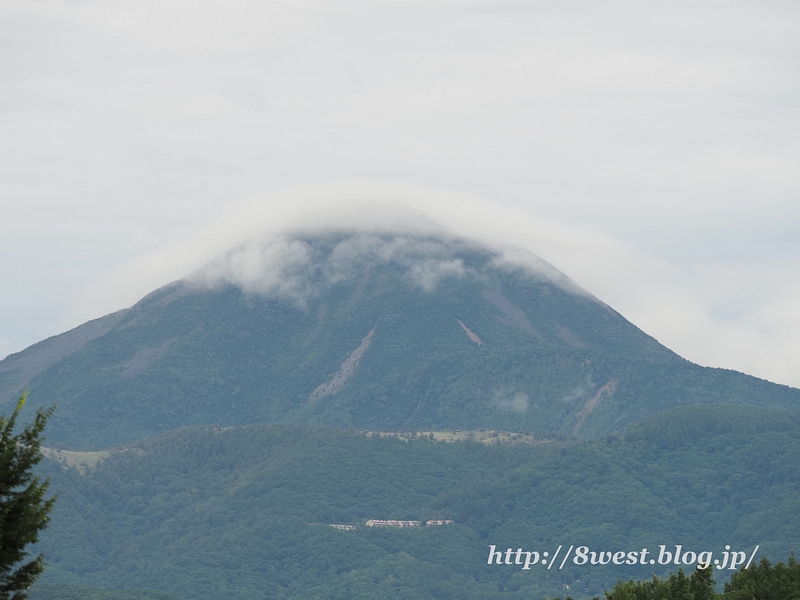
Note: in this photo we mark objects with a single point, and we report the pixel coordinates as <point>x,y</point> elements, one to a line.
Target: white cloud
<point>734,316</point>
<point>742,317</point>
<point>279,268</point>
<point>648,150</point>
<point>428,273</point>
<point>286,267</point>
<point>506,399</point>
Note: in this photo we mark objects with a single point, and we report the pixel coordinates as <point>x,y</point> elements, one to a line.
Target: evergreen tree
<point>766,582</point>
<point>700,586</point>
<point>23,508</point>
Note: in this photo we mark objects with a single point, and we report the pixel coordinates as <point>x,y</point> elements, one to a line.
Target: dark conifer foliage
<point>698,586</point>
<point>23,508</point>
<point>760,582</point>
<point>766,582</point>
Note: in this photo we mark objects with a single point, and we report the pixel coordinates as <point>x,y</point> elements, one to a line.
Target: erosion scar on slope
<point>514,316</point>
<point>592,403</point>
<point>471,334</point>
<point>345,371</point>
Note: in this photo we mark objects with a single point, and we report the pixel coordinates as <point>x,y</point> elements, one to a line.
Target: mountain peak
<point>299,266</point>
<point>378,331</point>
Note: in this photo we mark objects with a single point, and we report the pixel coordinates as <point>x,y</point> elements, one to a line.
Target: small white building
<point>393,523</point>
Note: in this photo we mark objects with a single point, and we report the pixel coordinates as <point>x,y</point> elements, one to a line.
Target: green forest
<point>550,358</point>
<point>761,582</point>
<point>245,512</point>
<point>212,442</point>
<point>84,592</point>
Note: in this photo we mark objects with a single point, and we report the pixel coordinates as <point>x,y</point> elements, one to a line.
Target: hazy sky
<point>648,150</point>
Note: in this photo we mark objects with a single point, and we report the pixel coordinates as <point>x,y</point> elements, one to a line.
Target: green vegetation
<point>760,582</point>
<point>206,513</point>
<point>83,592</point>
<point>549,359</point>
<point>698,586</point>
<point>509,402</point>
<point>766,582</point>
<point>24,512</point>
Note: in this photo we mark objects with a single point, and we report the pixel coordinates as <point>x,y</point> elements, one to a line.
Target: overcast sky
<point>648,150</point>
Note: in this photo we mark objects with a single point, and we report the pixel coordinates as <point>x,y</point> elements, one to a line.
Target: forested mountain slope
<point>381,332</point>
<point>240,513</point>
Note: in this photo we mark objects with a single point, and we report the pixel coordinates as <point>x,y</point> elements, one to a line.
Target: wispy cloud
<point>507,399</point>
<point>428,273</point>
<point>647,150</point>
<point>281,267</point>
<point>741,316</point>
<point>289,268</point>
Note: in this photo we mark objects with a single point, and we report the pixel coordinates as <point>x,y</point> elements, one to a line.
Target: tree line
<point>764,581</point>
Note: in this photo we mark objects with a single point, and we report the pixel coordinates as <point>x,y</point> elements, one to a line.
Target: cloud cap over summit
<point>377,331</point>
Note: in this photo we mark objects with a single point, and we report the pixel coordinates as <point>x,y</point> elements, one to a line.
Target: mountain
<point>246,512</point>
<point>371,331</point>
<point>82,592</point>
